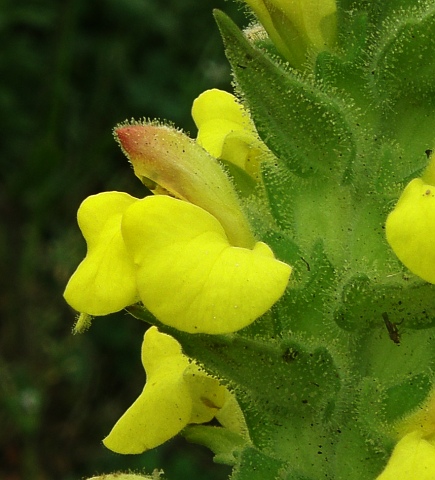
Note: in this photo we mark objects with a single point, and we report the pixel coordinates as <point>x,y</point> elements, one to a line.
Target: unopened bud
<point>296,27</point>
<point>178,166</point>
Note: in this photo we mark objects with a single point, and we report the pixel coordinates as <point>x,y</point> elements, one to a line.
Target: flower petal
<point>208,395</point>
<point>410,229</point>
<point>164,407</point>
<point>190,277</point>
<point>213,134</point>
<point>226,131</point>
<point>298,26</point>
<point>104,282</point>
<point>313,19</point>
<point>217,104</point>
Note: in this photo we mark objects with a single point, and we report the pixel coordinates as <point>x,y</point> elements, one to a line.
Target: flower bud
<point>180,167</point>
<point>297,26</point>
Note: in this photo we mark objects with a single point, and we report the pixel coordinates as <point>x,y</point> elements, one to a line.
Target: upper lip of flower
<point>181,167</point>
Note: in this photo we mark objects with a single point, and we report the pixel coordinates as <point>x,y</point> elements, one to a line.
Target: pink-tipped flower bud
<point>171,163</point>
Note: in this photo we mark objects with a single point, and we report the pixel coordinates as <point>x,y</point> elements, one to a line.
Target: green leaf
<point>359,456</point>
<point>403,79</point>
<point>304,127</point>
<point>403,304</point>
<point>390,363</point>
<point>377,10</point>
<point>255,465</point>
<point>403,60</point>
<point>403,398</point>
<point>353,32</point>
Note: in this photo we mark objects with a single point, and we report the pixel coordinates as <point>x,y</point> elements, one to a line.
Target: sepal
<point>225,444</point>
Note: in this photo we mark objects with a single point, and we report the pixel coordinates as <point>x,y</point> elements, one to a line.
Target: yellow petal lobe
<point>410,229</point>
<point>104,282</point>
<point>190,277</point>
<point>215,104</point>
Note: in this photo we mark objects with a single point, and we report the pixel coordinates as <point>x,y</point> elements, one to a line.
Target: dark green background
<point>69,71</point>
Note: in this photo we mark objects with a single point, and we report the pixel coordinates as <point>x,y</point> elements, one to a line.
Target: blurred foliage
<point>69,71</point>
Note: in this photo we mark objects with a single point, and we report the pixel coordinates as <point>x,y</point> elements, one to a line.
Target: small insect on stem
<point>306,263</point>
<point>393,331</point>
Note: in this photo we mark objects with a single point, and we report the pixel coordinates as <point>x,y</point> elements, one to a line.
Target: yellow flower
<point>410,227</point>
<point>192,260</point>
<point>226,131</point>
<point>190,276</point>
<point>413,458</point>
<point>105,281</point>
<point>176,393</point>
<point>176,258</point>
<point>298,26</point>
